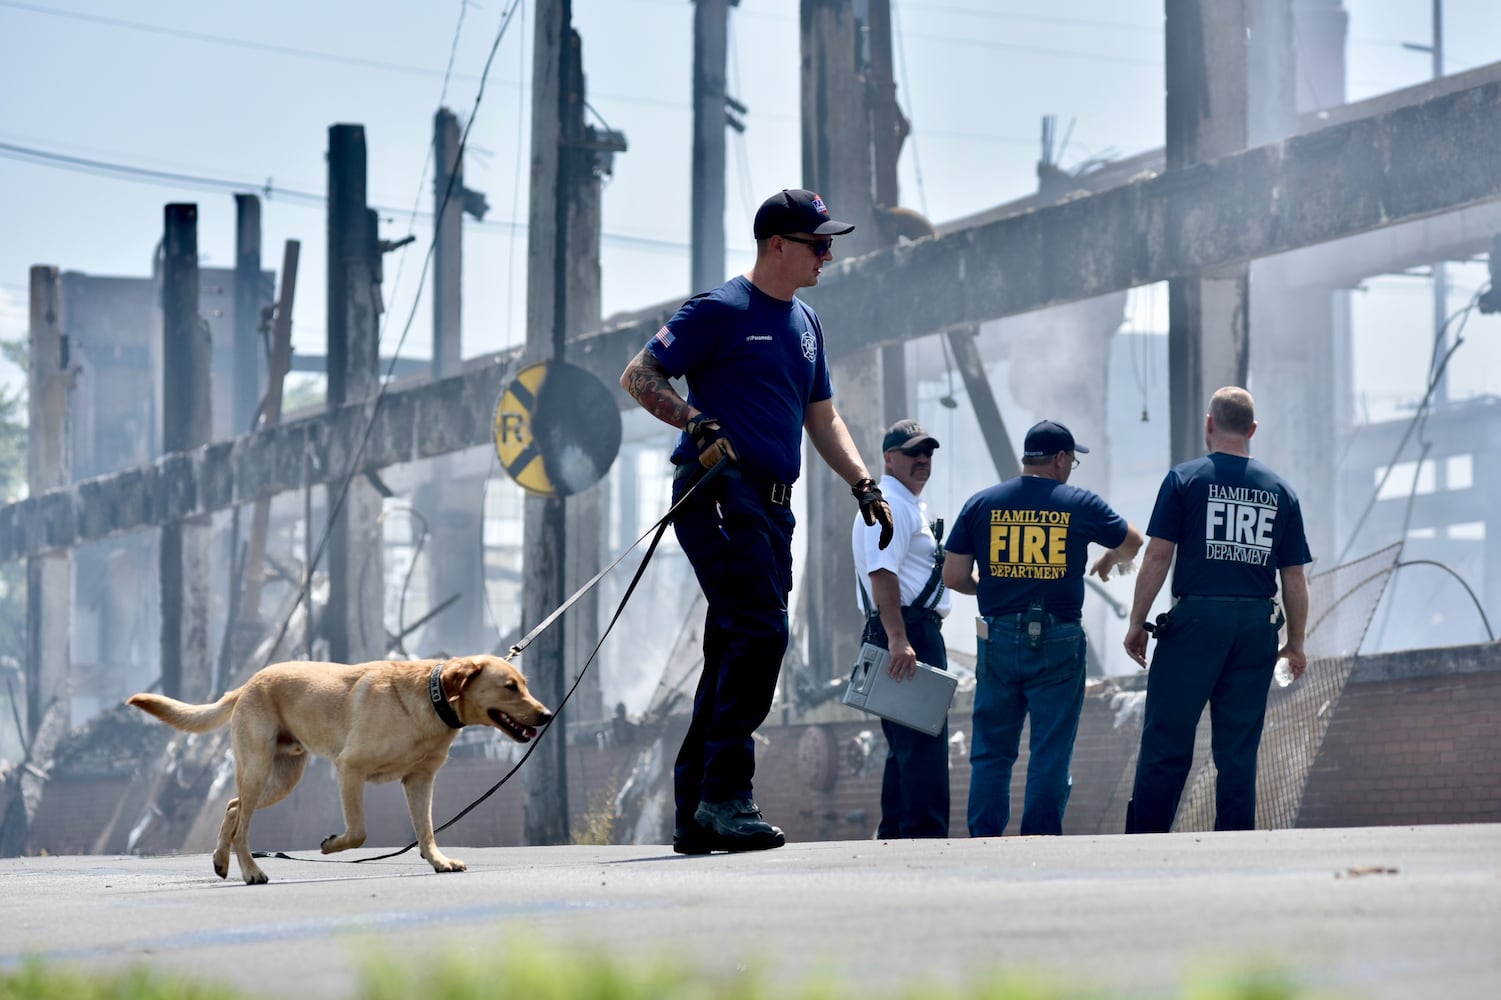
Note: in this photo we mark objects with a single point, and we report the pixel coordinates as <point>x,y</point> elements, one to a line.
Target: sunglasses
<point>819,247</point>
<point>926,451</point>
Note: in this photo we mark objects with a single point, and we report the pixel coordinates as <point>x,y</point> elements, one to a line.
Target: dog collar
<point>440,704</point>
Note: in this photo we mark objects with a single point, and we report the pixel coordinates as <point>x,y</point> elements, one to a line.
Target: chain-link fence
<point>1341,604</point>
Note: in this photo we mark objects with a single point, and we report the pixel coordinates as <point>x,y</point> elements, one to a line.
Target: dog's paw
<point>256,877</point>
<point>336,842</point>
<point>443,864</point>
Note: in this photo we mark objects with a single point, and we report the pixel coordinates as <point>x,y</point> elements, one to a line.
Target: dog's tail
<point>181,715</point>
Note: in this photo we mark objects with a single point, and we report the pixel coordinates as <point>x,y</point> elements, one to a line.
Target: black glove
<point>710,440</point>
<point>873,507</point>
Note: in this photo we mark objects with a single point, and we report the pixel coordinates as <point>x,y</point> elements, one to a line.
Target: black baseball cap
<point>796,211</point>
<point>1048,437</point>
<point>905,434</point>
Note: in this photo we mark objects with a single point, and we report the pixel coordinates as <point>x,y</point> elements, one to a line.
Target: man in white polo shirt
<point>904,601</point>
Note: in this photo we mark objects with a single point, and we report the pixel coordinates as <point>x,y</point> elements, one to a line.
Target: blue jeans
<point>740,547</point>
<point>1014,681</point>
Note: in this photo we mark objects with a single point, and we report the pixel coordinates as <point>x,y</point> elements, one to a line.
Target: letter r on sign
<point>512,427</point>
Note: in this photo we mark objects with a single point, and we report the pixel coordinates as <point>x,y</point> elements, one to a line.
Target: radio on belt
<point>920,702</point>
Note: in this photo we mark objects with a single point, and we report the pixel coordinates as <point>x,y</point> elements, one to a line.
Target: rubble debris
<point>21,787</point>
<point>119,740</point>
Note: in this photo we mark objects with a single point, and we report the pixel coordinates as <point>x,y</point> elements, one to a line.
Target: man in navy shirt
<point>1235,526</point>
<point>1031,536</point>
<point>753,357</point>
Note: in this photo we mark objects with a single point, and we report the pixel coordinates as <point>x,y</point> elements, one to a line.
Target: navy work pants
<point>915,783</point>
<point>1015,682</point>
<point>1221,652</point>
<point>740,547</point>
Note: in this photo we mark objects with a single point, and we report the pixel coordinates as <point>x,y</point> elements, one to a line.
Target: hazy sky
<point>240,96</point>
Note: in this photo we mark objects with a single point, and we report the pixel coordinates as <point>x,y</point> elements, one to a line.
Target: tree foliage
<point>12,444</point>
<point>12,426</point>
<point>13,419</point>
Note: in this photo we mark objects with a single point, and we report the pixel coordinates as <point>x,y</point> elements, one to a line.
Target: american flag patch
<point>664,337</point>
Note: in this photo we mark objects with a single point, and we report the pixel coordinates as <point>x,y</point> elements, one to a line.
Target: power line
<point>681,106</point>
<point>1479,608</point>
<point>742,150</point>
<point>240,43</point>
<point>1436,368</point>
<point>30,154</point>
<point>377,64</point>
<point>271,191</point>
<point>336,506</point>
<point>1007,46</point>
<point>311,54</point>
<point>1004,15</point>
<point>901,47</point>
<point>427,161</point>
<point>516,200</point>
<point>453,52</point>
<point>984,43</point>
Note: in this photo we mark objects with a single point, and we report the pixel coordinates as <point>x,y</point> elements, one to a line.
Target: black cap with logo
<point>796,211</point>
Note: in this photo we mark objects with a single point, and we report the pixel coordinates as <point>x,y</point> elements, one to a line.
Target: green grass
<point>35,981</point>
<point>539,974</point>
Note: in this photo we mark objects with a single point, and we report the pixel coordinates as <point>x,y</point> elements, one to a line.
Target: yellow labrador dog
<point>378,721</point>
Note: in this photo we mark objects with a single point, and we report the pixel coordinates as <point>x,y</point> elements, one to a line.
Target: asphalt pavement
<point>1373,912</point>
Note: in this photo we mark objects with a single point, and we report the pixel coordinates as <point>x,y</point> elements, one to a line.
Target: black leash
<point>656,531</point>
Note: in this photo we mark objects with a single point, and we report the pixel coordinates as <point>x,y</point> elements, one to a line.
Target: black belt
<point>1228,600</point>
<point>1016,617</point>
<point>769,490</point>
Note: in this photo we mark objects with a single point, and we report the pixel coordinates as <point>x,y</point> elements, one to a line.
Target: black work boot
<point>737,826</point>
<point>694,839</point>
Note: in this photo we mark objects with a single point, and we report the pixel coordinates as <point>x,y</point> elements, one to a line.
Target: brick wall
<point>1415,738</point>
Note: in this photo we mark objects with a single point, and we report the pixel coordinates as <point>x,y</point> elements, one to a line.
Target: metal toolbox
<point>921,702</point>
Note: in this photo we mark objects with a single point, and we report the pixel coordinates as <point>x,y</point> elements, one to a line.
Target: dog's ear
<point>465,669</point>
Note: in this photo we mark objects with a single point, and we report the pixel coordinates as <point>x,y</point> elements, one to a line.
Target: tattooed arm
<point>647,383</point>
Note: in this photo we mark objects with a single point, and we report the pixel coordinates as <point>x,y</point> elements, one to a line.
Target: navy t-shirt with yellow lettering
<point>1030,537</point>
<point>1234,521</point>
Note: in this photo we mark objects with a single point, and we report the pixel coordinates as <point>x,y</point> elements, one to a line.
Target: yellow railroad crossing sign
<point>557,429</point>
